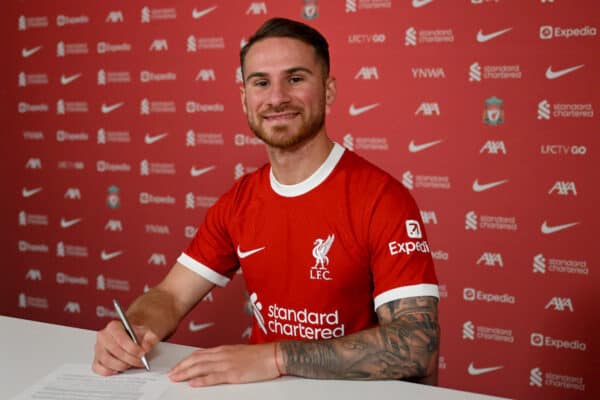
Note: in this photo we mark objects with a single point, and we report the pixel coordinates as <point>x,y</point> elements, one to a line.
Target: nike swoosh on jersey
<point>243,254</point>
<point>29,52</point>
<point>354,111</point>
<point>107,109</point>
<point>148,139</point>
<point>421,3</point>
<point>201,13</point>
<point>546,229</point>
<point>481,37</point>
<point>557,74</point>
<point>65,80</point>
<point>477,187</point>
<point>68,223</point>
<point>30,192</point>
<point>201,171</point>
<point>108,256</point>
<point>415,148</point>
<point>479,371</point>
<point>198,327</point>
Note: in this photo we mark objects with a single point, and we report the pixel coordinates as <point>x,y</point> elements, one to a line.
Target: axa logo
<point>367,73</point>
<point>321,248</point>
<point>33,275</point>
<point>256,310</point>
<point>491,259</point>
<point>428,109</point>
<point>157,259</point>
<point>493,147</point>
<point>159,45</point>
<point>72,307</point>
<point>206,75</point>
<point>429,217</point>
<point>563,188</point>
<point>257,8</point>
<point>33,163</point>
<point>560,304</point>
<point>73,194</point>
<point>114,17</point>
<point>113,225</point>
<point>428,73</point>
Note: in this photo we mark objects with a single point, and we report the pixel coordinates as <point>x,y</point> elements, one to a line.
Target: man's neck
<point>296,165</point>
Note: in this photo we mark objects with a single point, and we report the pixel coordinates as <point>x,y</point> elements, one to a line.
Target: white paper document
<point>78,382</point>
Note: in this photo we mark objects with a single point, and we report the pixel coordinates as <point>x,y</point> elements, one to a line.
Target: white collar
<point>312,181</point>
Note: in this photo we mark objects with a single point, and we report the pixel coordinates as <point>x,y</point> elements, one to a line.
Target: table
<point>30,350</point>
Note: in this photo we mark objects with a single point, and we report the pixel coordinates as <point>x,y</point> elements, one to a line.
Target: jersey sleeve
<point>210,253</point>
<point>401,262</point>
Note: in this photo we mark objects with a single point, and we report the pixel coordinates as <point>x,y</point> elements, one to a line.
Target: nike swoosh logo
<point>30,192</point>
<point>557,74</point>
<point>108,256</point>
<point>65,80</point>
<point>415,148</point>
<point>243,254</point>
<point>29,52</point>
<point>477,187</point>
<point>198,172</point>
<point>478,371</point>
<point>148,139</point>
<point>354,111</point>
<point>106,109</point>
<point>420,3</point>
<point>553,229</point>
<point>198,327</point>
<point>199,14</point>
<point>481,37</point>
<point>66,223</point>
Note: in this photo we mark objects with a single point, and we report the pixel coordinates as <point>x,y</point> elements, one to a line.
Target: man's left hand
<point>228,364</point>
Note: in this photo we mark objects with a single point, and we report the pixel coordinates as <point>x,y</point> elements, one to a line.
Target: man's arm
<point>404,345</point>
<point>154,315</point>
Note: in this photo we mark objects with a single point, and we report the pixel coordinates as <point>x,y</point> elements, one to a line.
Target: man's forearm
<point>155,309</point>
<point>405,345</point>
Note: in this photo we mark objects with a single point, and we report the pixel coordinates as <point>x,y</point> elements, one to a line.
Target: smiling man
<point>333,251</point>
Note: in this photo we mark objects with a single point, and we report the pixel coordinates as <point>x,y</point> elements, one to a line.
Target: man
<point>339,271</point>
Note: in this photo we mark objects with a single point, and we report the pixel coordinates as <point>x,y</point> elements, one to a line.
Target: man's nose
<point>279,94</point>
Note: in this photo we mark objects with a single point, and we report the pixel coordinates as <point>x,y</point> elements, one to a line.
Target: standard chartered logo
<point>539,264</point>
<point>471,221</point>
<point>190,138</point>
<point>144,168</point>
<point>191,44</point>
<point>408,180</point>
<point>475,72</point>
<point>349,142</point>
<point>238,171</point>
<point>145,107</point>
<point>411,37</point>
<point>468,330</point>
<point>535,377</point>
<point>189,201</point>
<point>544,110</point>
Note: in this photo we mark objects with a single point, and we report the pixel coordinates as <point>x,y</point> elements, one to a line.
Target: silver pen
<point>125,322</point>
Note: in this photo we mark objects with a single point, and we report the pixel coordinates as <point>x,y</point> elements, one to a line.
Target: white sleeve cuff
<point>423,289</point>
<point>203,270</point>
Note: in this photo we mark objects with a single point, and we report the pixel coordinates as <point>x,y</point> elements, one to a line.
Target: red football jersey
<point>320,256</point>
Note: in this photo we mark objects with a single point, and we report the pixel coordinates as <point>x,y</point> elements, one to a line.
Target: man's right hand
<point>115,352</point>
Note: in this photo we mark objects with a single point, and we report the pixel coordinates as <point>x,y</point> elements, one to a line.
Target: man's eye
<point>296,79</point>
<point>261,82</point>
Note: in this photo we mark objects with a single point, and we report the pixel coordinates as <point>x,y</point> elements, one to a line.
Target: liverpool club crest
<point>494,111</point>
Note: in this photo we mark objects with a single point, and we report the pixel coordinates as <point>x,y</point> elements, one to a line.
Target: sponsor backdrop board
<point>122,125</point>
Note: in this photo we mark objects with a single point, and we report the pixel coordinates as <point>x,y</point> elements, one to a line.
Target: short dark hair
<point>283,27</point>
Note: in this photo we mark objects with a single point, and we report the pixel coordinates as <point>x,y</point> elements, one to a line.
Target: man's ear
<point>330,93</point>
<point>243,98</point>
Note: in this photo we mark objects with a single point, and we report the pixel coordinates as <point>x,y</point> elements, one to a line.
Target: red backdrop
<point>122,124</point>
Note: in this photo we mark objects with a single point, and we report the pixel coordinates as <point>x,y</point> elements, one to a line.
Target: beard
<point>285,136</point>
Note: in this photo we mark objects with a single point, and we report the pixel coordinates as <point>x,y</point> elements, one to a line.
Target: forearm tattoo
<point>404,345</point>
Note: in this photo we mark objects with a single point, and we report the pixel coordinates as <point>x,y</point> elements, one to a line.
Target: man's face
<point>285,94</point>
